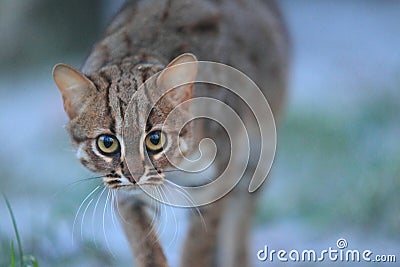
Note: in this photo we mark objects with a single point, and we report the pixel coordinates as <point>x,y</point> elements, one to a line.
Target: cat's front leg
<point>200,247</point>
<point>138,228</point>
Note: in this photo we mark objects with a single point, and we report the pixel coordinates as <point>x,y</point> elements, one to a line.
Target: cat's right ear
<point>180,71</point>
<point>73,86</point>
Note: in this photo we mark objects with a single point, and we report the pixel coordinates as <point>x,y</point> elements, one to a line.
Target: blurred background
<point>337,169</point>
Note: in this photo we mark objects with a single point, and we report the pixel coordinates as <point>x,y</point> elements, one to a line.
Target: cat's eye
<point>107,144</point>
<point>155,141</point>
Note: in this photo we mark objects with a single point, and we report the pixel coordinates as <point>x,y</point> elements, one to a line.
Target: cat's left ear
<point>73,86</point>
<point>180,72</point>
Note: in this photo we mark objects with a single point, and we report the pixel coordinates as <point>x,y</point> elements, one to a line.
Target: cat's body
<point>142,39</point>
<point>248,35</point>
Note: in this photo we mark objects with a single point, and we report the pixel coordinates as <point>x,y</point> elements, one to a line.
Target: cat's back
<point>249,35</point>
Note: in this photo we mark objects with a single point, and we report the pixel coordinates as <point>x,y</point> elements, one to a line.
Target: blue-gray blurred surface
<point>337,169</point>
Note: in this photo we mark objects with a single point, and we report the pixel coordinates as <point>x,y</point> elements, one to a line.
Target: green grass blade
<point>21,258</point>
<point>12,255</point>
<point>32,261</point>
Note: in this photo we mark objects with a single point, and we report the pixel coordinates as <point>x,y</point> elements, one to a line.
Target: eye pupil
<point>108,141</point>
<point>155,138</point>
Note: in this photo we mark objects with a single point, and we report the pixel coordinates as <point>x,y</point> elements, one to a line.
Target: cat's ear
<point>73,86</point>
<point>180,71</point>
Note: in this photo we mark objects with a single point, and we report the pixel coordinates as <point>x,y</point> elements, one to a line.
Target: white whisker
<point>103,224</point>
<point>113,203</point>
<point>152,222</point>
<point>175,220</point>
<point>163,226</point>
<point>75,183</point>
<point>80,207</point>
<point>93,215</point>
<point>187,196</point>
<point>83,216</point>
<point>118,211</point>
<point>155,215</point>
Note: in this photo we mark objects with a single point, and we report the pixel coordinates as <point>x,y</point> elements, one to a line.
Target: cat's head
<point>129,144</point>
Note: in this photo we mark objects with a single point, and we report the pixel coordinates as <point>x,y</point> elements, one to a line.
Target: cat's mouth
<point>112,183</point>
<point>116,180</point>
<point>120,182</point>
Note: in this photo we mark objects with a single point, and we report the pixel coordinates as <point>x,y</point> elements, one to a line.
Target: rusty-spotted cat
<point>145,37</point>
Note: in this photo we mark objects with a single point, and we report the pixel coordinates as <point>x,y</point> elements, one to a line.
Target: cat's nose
<point>130,177</point>
<point>125,171</point>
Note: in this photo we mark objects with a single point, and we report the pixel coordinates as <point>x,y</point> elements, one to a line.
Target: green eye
<point>155,141</point>
<point>107,144</point>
